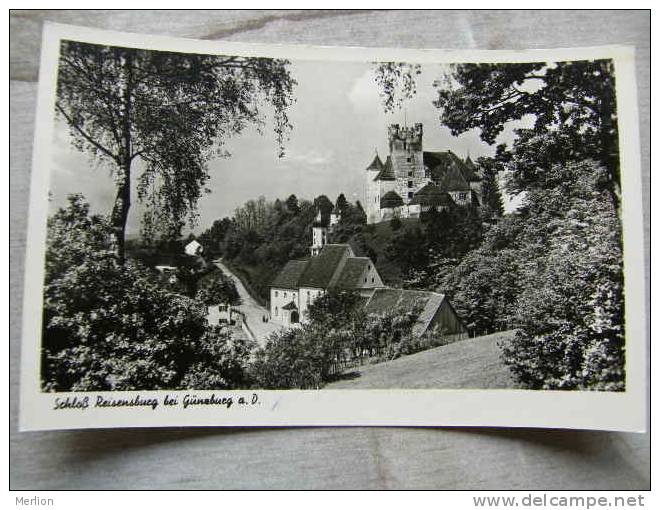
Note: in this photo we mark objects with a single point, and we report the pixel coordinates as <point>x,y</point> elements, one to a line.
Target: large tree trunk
<point>123,198</point>
<point>120,213</point>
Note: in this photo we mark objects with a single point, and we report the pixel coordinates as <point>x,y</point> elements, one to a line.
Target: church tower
<point>372,190</point>
<point>407,153</point>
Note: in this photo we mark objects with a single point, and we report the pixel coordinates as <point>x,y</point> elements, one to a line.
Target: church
<point>412,181</point>
<point>336,267</point>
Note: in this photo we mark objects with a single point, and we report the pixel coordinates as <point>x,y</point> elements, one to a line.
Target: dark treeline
<point>263,236</point>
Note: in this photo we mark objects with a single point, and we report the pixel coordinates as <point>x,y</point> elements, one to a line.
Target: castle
<point>413,181</point>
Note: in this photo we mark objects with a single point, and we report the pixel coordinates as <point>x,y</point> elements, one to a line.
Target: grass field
<point>473,363</point>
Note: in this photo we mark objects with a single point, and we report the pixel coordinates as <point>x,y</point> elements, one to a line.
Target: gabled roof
<point>450,179</point>
<point>290,306</point>
<point>376,164</point>
<point>390,199</point>
<point>431,195</point>
<point>351,274</point>
<point>320,269</point>
<point>387,173</point>
<point>290,274</point>
<point>386,300</point>
<point>440,164</point>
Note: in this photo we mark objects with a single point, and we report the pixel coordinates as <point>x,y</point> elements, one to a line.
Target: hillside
<point>468,364</point>
<point>372,240</point>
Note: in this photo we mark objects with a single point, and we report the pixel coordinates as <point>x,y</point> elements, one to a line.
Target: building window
<point>410,184</point>
<point>308,293</point>
<point>276,312</point>
<point>276,293</point>
<point>285,294</point>
<point>408,159</point>
<point>410,173</point>
<point>410,194</point>
<point>372,279</point>
<point>462,196</point>
<point>365,280</point>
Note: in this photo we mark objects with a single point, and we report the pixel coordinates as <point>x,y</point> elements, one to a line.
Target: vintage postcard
<point>261,235</point>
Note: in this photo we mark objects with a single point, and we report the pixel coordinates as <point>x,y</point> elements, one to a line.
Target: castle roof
<point>376,164</point>
<point>390,199</point>
<point>320,269</point>
<point>440,163</point>
<point>290,274</point>
<point>351,273</point>
<point>431,195</point>
<point>387,172</point>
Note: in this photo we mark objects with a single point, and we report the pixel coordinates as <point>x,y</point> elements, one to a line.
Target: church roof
<point>290,274</point>
<point>351,274</point>
<point>290,306</point>
<point>390,199</point>
<point>431,195</point>
<point>376,164</point>
<point>387,172</point>
<point>320,269</point>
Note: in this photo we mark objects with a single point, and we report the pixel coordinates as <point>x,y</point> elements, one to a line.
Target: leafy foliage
<point>171,111</point>
<point>113,327</point>
<point>216,287</point>
<point>338,332</point>
<point>396,82</point>
<point>572,105</point>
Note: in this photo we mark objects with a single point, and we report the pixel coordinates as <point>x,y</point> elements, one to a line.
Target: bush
<point>395,223</point>
<point>112,327</point>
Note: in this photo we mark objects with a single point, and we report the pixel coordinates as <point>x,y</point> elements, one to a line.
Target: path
<point>473,363</point>
<point>253,311</point>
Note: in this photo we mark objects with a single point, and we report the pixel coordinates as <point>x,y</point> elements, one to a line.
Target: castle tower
<point>406,152</point>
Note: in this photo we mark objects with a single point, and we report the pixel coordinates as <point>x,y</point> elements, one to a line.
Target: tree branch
<point>85,135</point>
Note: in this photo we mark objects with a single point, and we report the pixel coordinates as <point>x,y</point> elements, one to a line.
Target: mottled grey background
<point>330,458</point>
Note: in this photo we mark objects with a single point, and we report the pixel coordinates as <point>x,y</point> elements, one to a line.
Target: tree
<point>341,204</point>
<point>292,205</point>
<point>108,326</point>
<point>573,106</point>
<point>171,112</point>
<point>491,197</point>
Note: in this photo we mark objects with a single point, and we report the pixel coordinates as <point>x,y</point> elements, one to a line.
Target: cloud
<point>364,95</point>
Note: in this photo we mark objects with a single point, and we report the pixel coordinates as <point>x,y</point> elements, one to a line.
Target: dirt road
<point>253,311</point>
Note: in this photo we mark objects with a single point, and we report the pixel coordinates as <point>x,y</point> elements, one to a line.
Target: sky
<point>338,125</point>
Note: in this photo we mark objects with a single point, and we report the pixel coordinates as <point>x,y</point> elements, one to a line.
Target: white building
<point>193,248</point>
<point>393,188</point>
<point>300,282</point>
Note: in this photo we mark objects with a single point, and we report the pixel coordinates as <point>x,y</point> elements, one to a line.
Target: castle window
<point>410,184</point>
<point>408,159</point>
<point>404,144</point>
<point>285,294</point>
<point>276,312</point>
<point>276,293</point>
<point>410,194</point>
<point>365,280</point>
<point>372,279</point>
<point>410,174</point>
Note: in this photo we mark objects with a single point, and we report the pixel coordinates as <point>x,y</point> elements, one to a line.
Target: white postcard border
<point>625,411</point>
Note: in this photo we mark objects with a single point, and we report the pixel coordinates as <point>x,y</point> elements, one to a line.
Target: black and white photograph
<point>236,221</point>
